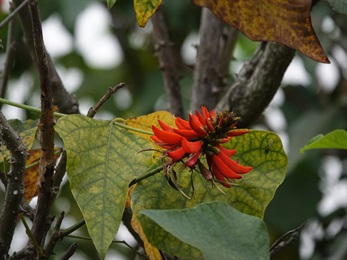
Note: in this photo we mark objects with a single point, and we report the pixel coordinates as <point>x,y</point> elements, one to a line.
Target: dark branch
<point>71,250</point>
<point>257,82</point>
<point>42,220</point>
<point>15,185</point>
<point>66,103</point>
<point>10,52</point>
<point>207,84</point>
<point>165,53</point>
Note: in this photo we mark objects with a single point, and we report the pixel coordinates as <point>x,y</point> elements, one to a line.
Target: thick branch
<point>257,82</point>
<point>167,63</point>
<point>66,103</point>
<point>42,219</point>
<point>206,79</point>
<point>15,185</point>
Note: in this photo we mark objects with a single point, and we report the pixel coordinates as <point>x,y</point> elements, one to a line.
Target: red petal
<point>205,112</point>
<point>226,151</point>
<point>225,170</point>
<point>164,126</point>
<point>167,137</point>
<point>234,166</point>
<point>182,124</point>
<point>192,160</point>
<point>213,114</point>
<point>237,132</point>
<point>191,147</point>
<point>218,174</point>
<point>196,125</point>
<point>186,133</point>
<point>177,154</point>
<point>209,125</point>
<point>200,117</point>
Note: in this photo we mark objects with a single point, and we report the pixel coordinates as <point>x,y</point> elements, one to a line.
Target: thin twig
<point>206,85</point>
<point>10,53</point>
<point>56,236</point>
<point>148,174</point>
<point>13,14</point>
<point>15,184</point>
<point>283,241</point>
<point>167,63</point>
<point>31,237</point>
<point>72,249</point>
<point>111,90</point>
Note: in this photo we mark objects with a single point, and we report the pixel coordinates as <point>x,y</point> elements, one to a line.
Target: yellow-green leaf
<point>110,3</point>
<point>260,149</point>
<point>144,9</point>
<point>283,21</point>
<point>27,131</point>
<point>102,160</point>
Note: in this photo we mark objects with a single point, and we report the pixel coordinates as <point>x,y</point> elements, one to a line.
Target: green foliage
<point>339,5</point>
<point>259,149</point>
<point>27,131</point>
<point>218,230</point>
<point>110,3</point>
<point>102,161</point>
<point>334,140</point>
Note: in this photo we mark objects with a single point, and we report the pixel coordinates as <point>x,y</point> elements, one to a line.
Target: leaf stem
<point>67,231</point>
<point>148,174</point>
<point>30,235</point>
<point>131,128</point>
<point>26,107</point>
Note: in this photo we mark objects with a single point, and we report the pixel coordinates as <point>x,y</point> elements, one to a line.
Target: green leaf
<point>144,9</point>
<point>218,230</point>
<point>27,131</point>
<point>260,149</point>
<point>339,5</point>
<point>110,3</point>
<point>336,139</point>
<point>102,160</point>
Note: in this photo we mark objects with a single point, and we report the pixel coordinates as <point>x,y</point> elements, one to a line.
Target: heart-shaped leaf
<point>102,159</point>
<point>218,230</point>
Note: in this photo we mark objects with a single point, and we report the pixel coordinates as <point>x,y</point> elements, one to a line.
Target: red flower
<point>202,135</point>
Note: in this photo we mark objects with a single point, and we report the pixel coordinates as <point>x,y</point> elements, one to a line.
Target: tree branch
<point>207,83</point>
<point>42,220</point>
<point>15,185</point>
<point>111,90</point>
<point>10,52</point>
<point>66,103</point>
<point>165,54</point>
<point>257,82</point>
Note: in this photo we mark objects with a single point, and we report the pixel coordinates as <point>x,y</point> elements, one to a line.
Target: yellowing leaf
<point>27,131</point>
<point>152,252</point>
<point>31,174</point>
<point>259,149</point>
<point>144,9</point>
<point>145,123</point>
<point>102,159</point>
<point>283,21</point>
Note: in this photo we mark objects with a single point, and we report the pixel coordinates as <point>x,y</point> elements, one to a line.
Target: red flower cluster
<point>202,134</point>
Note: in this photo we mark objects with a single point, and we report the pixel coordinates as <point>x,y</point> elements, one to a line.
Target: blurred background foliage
<point>95,48</point>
